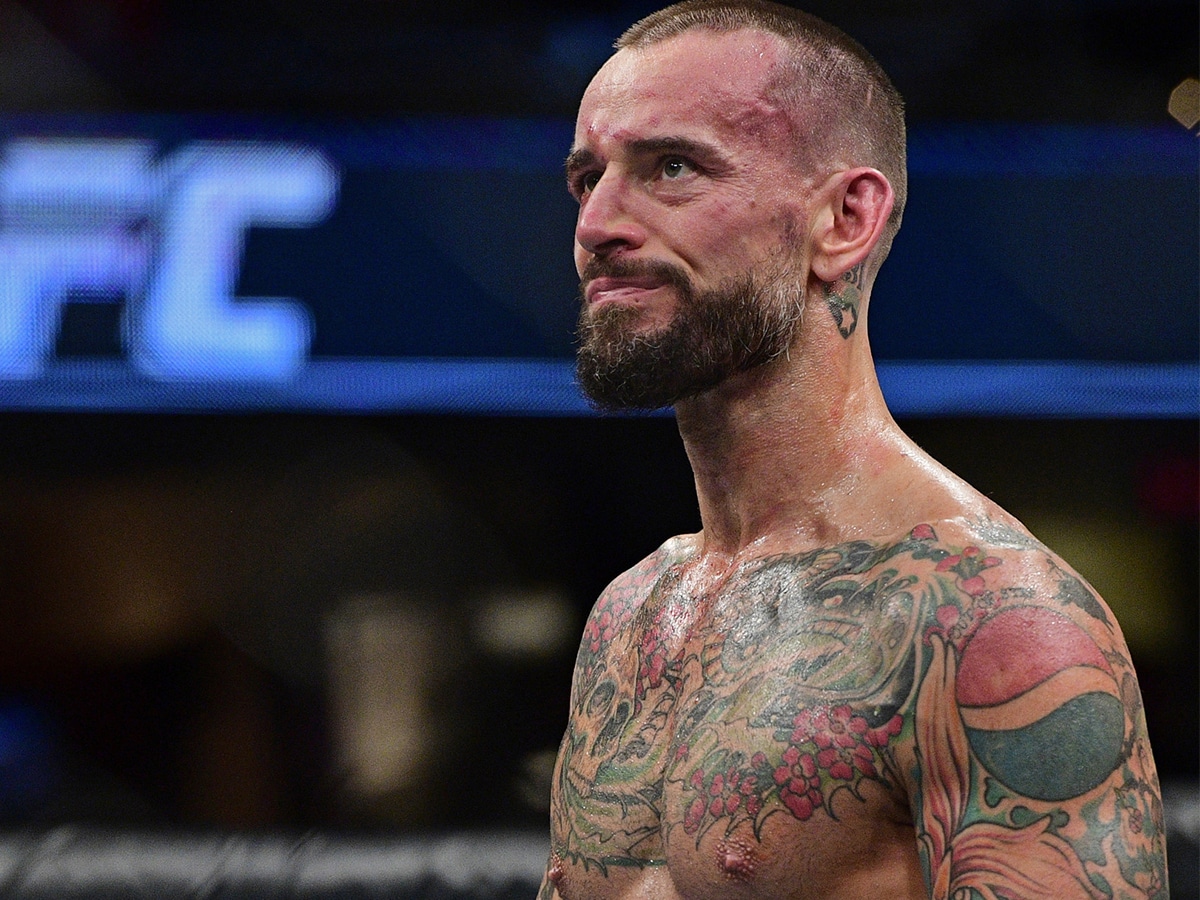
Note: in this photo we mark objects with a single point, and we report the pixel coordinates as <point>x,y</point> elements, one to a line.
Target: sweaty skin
<point>835,723</point>
<point>861,678</point>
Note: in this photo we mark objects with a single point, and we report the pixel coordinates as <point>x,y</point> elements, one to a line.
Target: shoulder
<point>620,601</point>
<point>1012,616</point>
<point>986,567</point>
<point>1023,664</point>
<point>630,589</point>
<point>639,578</point>
<point>1028,739</point>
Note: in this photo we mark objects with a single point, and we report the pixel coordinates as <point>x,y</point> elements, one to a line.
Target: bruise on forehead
<point>725,83</point>
<point>738,90</point>
<point>763,119</point>
<point>774,112</point>
<point>811,121</point>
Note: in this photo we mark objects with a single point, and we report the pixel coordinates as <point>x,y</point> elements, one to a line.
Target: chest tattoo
<point>771,694</point>
<point>980,690</point>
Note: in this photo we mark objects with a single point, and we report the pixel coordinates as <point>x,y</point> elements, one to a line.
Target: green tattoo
<point>983,687</point>
<point>844,300</point>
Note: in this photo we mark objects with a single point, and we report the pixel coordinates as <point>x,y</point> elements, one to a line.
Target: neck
<point>801,451</point>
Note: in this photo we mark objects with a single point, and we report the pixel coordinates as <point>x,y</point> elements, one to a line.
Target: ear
<point>849,221</point>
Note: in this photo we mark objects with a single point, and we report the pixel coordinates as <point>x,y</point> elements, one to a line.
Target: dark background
<point>1026,60</point>
<point>171,579</point>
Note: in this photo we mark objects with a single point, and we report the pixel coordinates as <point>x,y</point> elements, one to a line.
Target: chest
<point>767,720</point>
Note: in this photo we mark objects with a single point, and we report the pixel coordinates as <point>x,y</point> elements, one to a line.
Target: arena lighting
<point>131,280</point>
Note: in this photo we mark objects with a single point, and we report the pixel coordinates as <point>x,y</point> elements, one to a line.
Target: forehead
<point>699,81</point>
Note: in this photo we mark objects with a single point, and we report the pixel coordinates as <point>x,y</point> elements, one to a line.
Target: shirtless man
<point>861,678</point>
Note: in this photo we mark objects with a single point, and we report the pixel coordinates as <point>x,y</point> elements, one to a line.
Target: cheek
<point>709,235</point>
<point>730,240</point>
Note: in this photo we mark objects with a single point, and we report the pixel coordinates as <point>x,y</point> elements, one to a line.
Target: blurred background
<point>339,582</point>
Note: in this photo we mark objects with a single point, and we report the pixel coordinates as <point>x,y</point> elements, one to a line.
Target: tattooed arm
<point>1032,771</point>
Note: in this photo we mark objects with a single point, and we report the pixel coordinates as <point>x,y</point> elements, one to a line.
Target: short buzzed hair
<point>860,118</point>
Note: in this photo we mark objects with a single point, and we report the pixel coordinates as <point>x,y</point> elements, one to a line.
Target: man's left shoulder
<point>1025,746</point>
<point>1032,659</point>
<point>988,566</point>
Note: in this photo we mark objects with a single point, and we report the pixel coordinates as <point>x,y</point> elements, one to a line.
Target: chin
<point>628,320</point>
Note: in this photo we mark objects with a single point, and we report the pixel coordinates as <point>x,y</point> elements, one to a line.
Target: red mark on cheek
<point>737,859</point>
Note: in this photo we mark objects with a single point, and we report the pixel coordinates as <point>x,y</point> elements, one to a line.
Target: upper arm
<point>1032,771</point>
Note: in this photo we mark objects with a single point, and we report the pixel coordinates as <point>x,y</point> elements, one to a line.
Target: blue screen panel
<point>215,263</point>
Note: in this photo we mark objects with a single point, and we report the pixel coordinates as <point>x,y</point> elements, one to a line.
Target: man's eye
<point>676,167</point>
<point>588,181</point>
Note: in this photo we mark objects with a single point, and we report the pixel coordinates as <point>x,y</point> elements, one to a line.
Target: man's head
<point>846,108</point>
<point>726,154</point>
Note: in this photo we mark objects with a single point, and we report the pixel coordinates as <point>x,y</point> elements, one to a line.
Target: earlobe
<point>851,221</point>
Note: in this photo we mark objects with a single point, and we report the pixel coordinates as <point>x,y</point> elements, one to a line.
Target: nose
<point>606,223</point>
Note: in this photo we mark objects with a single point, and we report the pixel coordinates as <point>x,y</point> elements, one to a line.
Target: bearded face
<point>743,322</point>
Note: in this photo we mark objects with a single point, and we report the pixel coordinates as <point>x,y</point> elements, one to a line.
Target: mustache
<point>602,267</point>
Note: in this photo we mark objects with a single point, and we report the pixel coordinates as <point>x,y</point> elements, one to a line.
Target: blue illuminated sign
<point>106,217</point>
<point>175,263</point>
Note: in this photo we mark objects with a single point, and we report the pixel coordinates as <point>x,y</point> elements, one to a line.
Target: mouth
<point>604,290</point>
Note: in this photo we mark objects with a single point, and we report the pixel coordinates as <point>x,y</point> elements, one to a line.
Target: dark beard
<point>736,326</point>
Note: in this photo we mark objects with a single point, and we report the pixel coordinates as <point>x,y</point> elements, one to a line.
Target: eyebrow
<point>701,151</point>
<point>578,159</point>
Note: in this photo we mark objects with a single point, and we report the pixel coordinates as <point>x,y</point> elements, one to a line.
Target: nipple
<point>737,859</point>
<point>556,871</point>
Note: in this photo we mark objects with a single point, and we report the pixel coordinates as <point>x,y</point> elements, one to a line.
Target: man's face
<point>689,237</point>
